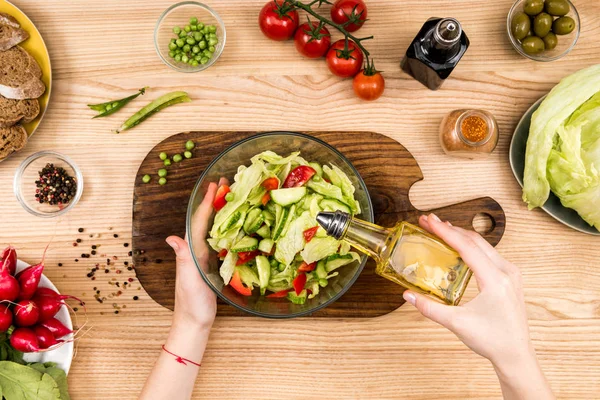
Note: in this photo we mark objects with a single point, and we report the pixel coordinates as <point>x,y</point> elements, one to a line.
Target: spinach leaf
<point>20,382</point>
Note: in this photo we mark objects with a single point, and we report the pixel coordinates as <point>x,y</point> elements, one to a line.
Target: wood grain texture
<point>388,181</point>
<point>103,50</point>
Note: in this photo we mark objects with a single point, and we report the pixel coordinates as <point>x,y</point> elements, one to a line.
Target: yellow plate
<point>37,48</point>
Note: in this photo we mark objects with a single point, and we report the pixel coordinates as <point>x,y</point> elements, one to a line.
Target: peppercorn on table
<point>104,50</point>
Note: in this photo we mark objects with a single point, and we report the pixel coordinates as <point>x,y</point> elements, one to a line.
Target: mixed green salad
<point>266,232</point>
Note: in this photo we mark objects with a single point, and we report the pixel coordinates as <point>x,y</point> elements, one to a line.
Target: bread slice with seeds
<point>11,36</point>
<point>12,139</point>
<point>14,111</point>
<point>20,75</point>
<point>9,20</point>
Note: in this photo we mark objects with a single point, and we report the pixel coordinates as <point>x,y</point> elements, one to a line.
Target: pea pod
<point>155,106</point>
<point>111,107</point>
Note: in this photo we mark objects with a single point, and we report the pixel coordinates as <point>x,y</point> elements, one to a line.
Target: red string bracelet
<point>179,359</point>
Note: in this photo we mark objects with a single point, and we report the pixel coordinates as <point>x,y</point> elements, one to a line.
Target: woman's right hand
<point>494,324</point>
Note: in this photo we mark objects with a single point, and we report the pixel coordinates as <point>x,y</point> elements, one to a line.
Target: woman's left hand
<point>195,302</point>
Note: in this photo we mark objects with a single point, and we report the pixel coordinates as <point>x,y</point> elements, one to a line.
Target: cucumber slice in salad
<point>247,243</point>
<point>264,231</point>
<point>286,197</point>
<point>264,272</point>
<point>266,245</point>
<point>254,221</point>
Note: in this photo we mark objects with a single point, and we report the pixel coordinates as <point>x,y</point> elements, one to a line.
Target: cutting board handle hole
<point>483,223</point>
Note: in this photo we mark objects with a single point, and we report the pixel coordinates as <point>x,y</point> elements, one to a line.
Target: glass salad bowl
<point>226,165</point>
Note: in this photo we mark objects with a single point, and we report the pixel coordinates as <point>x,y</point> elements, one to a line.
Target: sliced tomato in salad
<point>245,256</point>
<point>222,253</point>
<point>310,233</point>
<point>304,267</point>
<point>281,293</point>
<point>220,201</point>
<point>271,184</point>
<point>299,176</point>
<point>236,283</point>
<point>265,199</point>
<point>299,283</point>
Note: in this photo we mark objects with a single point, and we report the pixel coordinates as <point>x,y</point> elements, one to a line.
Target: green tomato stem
<point>348,35</point>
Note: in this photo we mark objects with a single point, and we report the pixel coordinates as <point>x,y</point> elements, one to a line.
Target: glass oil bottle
<point>405,254</point>
<point>435,51</point>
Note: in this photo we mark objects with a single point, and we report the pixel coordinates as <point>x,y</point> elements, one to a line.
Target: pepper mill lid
<point>447,31</point>
<point>334,223</point>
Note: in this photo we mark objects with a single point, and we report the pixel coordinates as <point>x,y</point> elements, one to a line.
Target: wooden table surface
<point>104,50</point>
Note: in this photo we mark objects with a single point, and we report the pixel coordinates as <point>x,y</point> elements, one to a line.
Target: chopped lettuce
<point>319,248</point>
<point>293,241</point>
<point>228,266</point>
<point>245,181</point>
<point>326,189</point>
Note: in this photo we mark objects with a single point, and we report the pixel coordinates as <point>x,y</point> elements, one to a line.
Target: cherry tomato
<point>281,293</point>
<point>350,13</point>
<point>304,267</point>
<point>220,201</point>
<point>299,176</point>
<point>310,233</point>
<point>368,87</point>
<point>236,283</point>
<point>299,283</point>
<point>278,20</point>
<point>344,63</point>
<point>270,183</point>
<point>312,40</point>
<point>245,256</point>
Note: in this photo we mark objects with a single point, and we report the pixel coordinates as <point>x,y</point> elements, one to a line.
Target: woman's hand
<point>493,324</point>
<point>195,302</point>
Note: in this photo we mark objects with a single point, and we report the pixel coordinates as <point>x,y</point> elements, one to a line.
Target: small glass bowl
<point>179,14</point>
<point>565,42</point>
<point>28,172</point>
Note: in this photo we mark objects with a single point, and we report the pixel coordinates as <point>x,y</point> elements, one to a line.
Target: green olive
<point>533,7</point>
<point>542,24</point>
<point>520,26</point>
<point>532,45</point>
<point>557,7</point>
<point>563,25</point>
<point>550,41</point>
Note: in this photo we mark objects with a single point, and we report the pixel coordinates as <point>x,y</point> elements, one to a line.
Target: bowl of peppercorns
<point>48,184</point>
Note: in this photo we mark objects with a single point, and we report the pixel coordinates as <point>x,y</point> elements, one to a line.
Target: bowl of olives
<point>543,30</point>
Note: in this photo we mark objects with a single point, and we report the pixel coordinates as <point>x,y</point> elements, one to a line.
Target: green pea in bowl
<point>189,36</point>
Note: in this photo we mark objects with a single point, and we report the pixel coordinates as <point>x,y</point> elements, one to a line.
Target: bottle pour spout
<point>334,223</point>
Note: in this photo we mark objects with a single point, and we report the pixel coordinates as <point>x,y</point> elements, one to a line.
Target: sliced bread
<point>12,139</point>
<point>11,36</point>
<point>14,111</point>
<point>7,19</point>
<point>20,75</point>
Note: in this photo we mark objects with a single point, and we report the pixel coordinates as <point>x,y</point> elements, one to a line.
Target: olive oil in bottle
<point>405,254</point>
<point>435,51</point>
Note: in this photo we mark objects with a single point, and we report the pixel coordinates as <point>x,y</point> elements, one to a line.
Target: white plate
<point>62,356</point>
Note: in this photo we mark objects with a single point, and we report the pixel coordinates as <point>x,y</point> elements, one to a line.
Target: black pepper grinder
<point>435,51</point>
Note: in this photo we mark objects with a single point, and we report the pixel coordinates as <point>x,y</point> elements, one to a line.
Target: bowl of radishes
<point>33,313</point>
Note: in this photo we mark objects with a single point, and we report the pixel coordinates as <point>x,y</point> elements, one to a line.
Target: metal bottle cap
<point>334,223</point>
<point>447,31</point>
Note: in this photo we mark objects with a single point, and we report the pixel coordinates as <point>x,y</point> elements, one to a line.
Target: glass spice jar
<point>469,134</point>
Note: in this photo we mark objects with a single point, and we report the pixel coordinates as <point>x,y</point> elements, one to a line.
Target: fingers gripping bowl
<point>226,165</point>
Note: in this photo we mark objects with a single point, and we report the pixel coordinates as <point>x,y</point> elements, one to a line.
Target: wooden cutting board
<point>388,169</point>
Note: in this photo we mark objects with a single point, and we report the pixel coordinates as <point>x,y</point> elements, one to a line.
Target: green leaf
<point>21,382</point>
<point>60,377</point>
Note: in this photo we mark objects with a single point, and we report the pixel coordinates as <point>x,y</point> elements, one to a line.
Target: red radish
<point>6,318</point>
<point>9,286</point>
<point>24,340</point>
<point>9,256</point>
<point>44,336</point>
<point>56,327</point>
<point>49,302</point>
<point>26,313</point>
<point>29,279</point>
